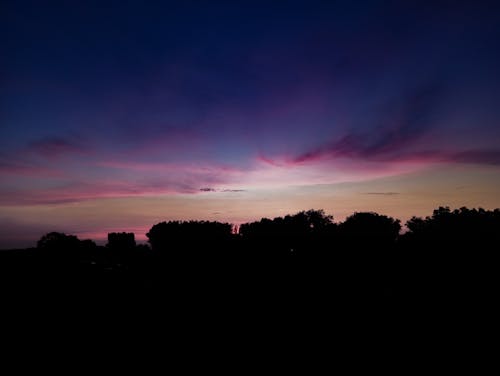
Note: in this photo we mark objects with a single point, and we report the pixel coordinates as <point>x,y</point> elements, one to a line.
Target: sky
<point>116,115</point>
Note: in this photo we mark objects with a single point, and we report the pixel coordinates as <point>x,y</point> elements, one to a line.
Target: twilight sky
<point>115,115</point>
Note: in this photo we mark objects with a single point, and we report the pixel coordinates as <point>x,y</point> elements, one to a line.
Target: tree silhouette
<point>368,230</point>
<point>58,241</point>
<point>455,251</point>
<point>303,258</point>
<point>189,236</point>
<point>120,247</point>
<point>296,233</point>
<point>121,240</point>
<point>464,227</point>
<point>58,249</point>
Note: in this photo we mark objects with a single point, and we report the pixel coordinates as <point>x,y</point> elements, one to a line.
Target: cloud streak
<point>486,157</point>
<point>394,140</point>
<point>121,180</point>
<point>222,190</point>
<point>480,157</point>
<point>402,124</point>
<point>85,191</point>
<point>402,133</point>
<point>8,167</point>
<point>57,147</point>
<point>382,193</point>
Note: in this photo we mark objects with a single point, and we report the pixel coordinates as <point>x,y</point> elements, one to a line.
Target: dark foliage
<point>298,263</point>
<point>368,231</point>
<point>178,236</point>
<point>299,234</point>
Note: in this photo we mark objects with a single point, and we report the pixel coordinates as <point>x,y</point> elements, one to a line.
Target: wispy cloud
<point>382,193</point>
<point>270,161</point>
<point>142,180</point>
<point>8,167</point>
<point>402,133</point>
<point>56,147</point>
<point>399,127</point>
<point>486,157</point>
<point>77,192</point>
<point>222,190</point>
<point>187,167</point>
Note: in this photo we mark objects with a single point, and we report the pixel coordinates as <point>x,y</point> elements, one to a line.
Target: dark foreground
<point>236,281</point>
<point>278,281</point>
<point>376,311</point>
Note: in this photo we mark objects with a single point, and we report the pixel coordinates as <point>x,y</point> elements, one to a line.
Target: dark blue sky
<point>132,99</point>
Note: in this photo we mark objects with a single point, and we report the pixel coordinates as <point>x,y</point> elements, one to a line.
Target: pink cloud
<point>270,161</point>
<point>350,158</point>
<point>198,168</point>
<point>77,193</point>
<point>401,129</point>
<point>487,157</point>
<point>130,180</point>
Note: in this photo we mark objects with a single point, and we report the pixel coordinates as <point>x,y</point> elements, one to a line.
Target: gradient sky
<point>115,115</point>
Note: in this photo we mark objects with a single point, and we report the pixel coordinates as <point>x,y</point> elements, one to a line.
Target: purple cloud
<point>402,124</point>
<point>77,192</point>
<point>56,147</point>
<point>404,134</point>
<point>347,148</point>
<point>486,157</point>
<point>124,180</point>
<point>26,169</point>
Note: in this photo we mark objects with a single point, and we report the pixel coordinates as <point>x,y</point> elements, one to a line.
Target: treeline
<point>306,256</point>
